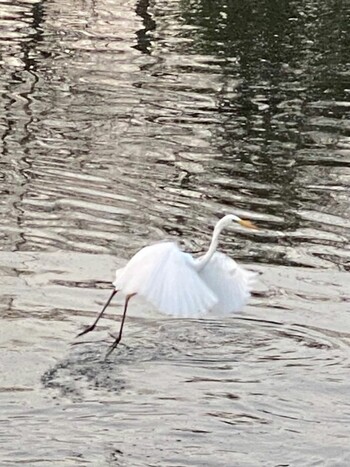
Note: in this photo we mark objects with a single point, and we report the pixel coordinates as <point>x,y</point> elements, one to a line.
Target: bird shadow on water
<point>88,368</point>
<point>84,369</point>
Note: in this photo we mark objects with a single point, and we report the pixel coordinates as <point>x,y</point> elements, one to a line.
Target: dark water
<point>123,123</point>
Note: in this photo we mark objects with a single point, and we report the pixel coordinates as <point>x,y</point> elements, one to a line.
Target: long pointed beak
<point>248,224</point>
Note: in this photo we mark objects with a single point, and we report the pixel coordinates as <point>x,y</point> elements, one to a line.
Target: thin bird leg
<point>118,339</point>
<point>92,327</point>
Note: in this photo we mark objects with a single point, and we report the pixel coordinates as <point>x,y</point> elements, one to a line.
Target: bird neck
<point>204,260</point>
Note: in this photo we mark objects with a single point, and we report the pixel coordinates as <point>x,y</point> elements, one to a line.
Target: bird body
<point>168,279</point>
<point>179,285</point>
<point>175,283</point>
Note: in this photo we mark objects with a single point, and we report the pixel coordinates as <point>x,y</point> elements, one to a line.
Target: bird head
<point>229,218</point>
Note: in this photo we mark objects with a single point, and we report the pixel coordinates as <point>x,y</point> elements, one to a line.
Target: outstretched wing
<point>229,282</point>
<point>166,277</point>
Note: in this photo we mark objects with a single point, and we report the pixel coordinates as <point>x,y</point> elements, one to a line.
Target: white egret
<point>179,285</point>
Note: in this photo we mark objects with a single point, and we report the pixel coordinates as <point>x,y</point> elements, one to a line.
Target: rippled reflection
<point>125,127</point>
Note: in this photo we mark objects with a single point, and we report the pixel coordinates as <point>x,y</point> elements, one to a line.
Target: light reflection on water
<point>124,126</point>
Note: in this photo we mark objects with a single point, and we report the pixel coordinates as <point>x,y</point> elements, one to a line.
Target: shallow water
<point>124,125</point>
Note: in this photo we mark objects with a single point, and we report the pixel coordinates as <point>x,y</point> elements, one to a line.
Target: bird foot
<point>86,330</point>
<point>112,347</point>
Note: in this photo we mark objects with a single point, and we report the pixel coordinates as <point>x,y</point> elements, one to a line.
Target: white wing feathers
<point>229,282</point>
<point>169,279</point>
<point>166,277</point>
